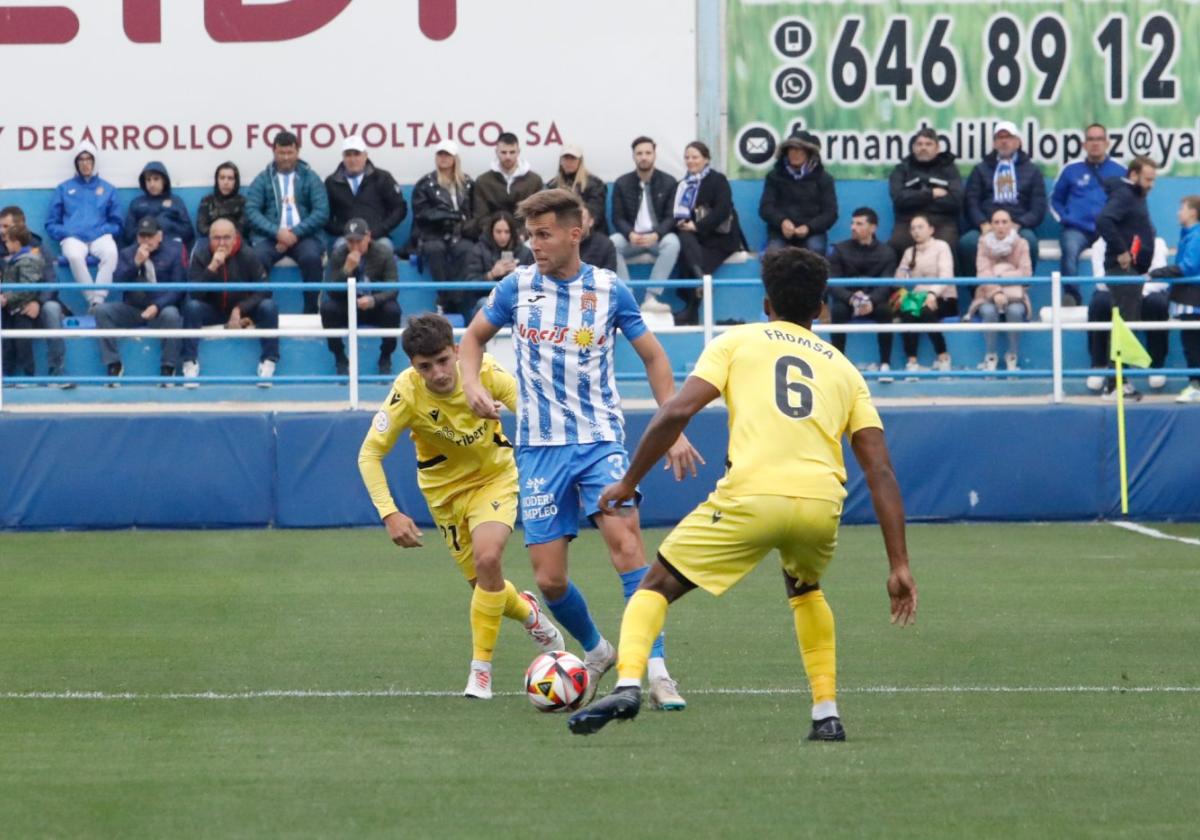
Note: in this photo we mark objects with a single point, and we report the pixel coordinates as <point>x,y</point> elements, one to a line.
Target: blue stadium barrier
<point>300,470</point>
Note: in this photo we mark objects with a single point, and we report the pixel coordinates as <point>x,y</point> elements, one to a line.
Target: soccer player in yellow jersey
<point>791,397</point>
<point>466,472</point>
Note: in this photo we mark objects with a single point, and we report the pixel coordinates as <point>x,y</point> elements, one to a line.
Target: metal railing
<point>707,328</point>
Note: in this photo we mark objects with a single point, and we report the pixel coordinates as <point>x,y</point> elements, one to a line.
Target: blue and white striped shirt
<point>564,332</point>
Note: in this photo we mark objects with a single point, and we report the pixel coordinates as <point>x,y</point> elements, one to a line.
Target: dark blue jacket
<point>168,268</point>
<point>85,209</point>
<point>169,209</point>
<point>263,203</point>
<point>1126,215</point>
<point>1030,208</point>
<point>1079,193</point>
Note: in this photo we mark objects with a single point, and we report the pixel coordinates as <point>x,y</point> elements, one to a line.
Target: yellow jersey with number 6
<point>791,396</point>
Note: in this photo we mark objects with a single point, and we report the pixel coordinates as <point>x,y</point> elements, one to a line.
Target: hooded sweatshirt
<point>216,206</point>
<point>84,208</point>
<point>169,209</point>
<point>497,190</point>
<point>805,198</point>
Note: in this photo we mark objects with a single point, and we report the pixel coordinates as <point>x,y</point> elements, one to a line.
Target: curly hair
<point>795,280</point>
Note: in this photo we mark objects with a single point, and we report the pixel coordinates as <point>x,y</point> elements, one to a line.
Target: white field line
<point>316,694</point>
<point>1158,535</point>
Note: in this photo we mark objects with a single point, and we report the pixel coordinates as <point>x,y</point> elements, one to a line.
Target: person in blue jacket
<point>1078,197</point>
<point>158,201</point>
<point>152,259</point>
<point>85,218</point>
<point>1185,290</point>
<point>287,208</point>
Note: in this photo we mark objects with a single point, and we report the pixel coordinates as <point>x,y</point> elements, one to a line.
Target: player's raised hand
<point>481,402</point>
<point>614,496</point>
<point>402,530</point>
<point>683,458</point>
<point>902,589</point>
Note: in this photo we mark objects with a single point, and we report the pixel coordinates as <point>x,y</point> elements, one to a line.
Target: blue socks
<point>630,581</point>
<point>572,613</point>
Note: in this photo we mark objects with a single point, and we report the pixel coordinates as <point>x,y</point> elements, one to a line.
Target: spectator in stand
<point>496,255</point>
<point>152,259</point>
<point>705,222</point>
<point>226,259</point>
<point>1155,307</point>
<point>224,202</point>
<point>1006,177</point>
<point>1185,296</point>
<point>287,207</point>
<point>573,175</point>
<point>509,182</point>
<point>443,206</point>
<point>358,190</point>
<point>596,248</point>
<point>1003,255</point>
<point>926,303</point>
<point>1128,234</point>
<point>642,207</point>
<point>48,313</point>
<point>926,182</point>
<point>19,310</point>
<point>862,255</point>
<point>85,218</point>
<point>1079,196</point>
<point>358,255</point>
<point>799,202</point>
<point>158,201</point>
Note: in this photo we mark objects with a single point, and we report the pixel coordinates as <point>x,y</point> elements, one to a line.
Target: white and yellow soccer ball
<point>556,681</point>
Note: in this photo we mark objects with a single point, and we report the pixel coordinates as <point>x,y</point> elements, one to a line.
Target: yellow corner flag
<point>1124,346</point>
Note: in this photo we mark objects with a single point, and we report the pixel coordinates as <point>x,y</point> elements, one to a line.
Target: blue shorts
<point>559,481</point>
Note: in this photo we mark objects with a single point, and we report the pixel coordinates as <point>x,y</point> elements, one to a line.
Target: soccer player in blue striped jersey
<point>564,316</point>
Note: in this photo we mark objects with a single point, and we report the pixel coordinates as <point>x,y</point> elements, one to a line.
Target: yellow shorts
<point>463,512</point>
<point>725,537</point>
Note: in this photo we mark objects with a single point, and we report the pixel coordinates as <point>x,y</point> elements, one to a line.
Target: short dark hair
<point>507,139</point>
<point>1141,162</point>
<point>285,138</point>
<point>18,215</point>
<point>1001,209</point>
<point>795,281</point>
<point>700,147</point>
<point>929,133</point>
<point>867,213</point>
<point>640,140</point>
<point>566,206</point>
<point>20,234</point>
<point>1192,201</point>
<point>1096,125</point>
<point>426,335</point>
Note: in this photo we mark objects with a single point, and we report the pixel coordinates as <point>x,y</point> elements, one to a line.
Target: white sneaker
<point>1011,362</point>
<point>664,695</point>
<point>1190,394</point>
<point>990,362</point>
<point>598,663</point>
<point>942,364</point>
<point>913,366</point>
<point>479,683</point>
<point>543,632</point>
<point>652,304</point>
<point>1095,383</point>
<point>885,371</point>
<point>266,369</point>
<point>191,370</point>
<point>1156,382</point>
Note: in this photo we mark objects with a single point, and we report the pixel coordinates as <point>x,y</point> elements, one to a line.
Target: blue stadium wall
<point>299,470</point>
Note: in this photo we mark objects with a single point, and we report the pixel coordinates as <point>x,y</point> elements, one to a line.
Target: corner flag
<point>1124,346</point>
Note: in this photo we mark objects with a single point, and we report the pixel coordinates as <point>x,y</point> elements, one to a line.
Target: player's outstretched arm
<point>665,428</point>
<point>682,457</point>
<point>870,449</point>
<point>470,360</point>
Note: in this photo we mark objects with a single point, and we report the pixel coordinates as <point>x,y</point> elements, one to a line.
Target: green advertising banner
<point>863,76</point>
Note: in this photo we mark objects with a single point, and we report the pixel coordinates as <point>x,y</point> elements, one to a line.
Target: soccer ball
<point>556,681</point>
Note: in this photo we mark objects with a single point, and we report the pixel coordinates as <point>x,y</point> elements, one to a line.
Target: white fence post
<point>707,306</point>
<point>352,339</point>
<point>1056,351</point>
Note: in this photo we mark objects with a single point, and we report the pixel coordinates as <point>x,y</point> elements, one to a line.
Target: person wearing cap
<point>926,183</point>
<point>573,175</point>
<point>85,218</point>
<point>287,207</point>
<point>642,205</point>
<point>157,200</point>
<point>1008,178</point>
<point>444,225</point>
<point>360,190</point>
<point>360,256</point>
<point>799,201</point>
<point>510,181</point>
<point>152,259</point>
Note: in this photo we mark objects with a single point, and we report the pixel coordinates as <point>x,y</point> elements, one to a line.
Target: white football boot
<point>479,683</point>
<point>598,663</point>
<point>543,632</point>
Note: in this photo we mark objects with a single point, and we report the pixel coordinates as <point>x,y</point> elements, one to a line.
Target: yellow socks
<point>515,607</point>
<point>644,617</point>
<point>486,609</point>
<point>814,632</point>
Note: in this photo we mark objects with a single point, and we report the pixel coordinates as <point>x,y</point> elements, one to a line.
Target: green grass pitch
<point>947,735</point>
